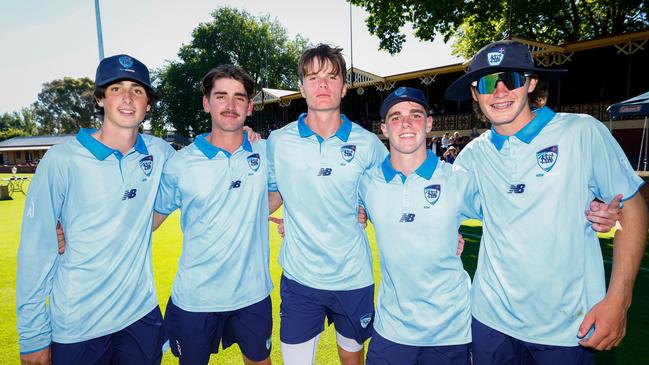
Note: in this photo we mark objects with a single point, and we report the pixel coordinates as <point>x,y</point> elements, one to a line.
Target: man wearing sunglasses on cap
<point>539,294</point>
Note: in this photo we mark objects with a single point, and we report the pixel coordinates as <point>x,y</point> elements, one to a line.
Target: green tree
<point>473,24</point>
<point>64,106</point>
<point>11,133</point>
<point>22,120</point>
<point>259,45</point>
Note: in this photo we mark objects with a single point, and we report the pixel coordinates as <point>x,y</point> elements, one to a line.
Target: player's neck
<point>406,163</point>
<point>121,139</point>
<point>324,123</point>
<point>226,140</point>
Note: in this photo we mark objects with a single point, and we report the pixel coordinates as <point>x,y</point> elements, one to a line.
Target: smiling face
<point>406,125</point>
<point>322,87</point>
<point>228,105</point>
<point>507,110</point>
<point>125,104</point>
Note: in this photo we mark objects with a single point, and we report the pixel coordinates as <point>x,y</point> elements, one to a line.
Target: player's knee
<point>348,344</point>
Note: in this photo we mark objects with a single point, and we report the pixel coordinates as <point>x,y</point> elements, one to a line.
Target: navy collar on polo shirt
<point>425,170</point>
<point>342,133</point>
<point>527,133</point>
<point>210,150</point>
<point>100,150</point>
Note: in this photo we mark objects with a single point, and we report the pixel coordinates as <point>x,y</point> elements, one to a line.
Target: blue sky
<point>46,40</point>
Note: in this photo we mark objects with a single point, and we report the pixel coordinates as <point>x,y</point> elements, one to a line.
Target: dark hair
<point>230,72</point>
<point>100,93</point>
<point>324,53</point>
<point>539,96</point>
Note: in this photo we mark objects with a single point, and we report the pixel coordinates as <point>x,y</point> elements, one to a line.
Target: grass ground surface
<point>166,251</point>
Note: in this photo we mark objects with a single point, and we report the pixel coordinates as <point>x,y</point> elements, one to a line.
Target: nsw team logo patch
<point>547,157</point>
<point>365,320</point>
<point>348,152</point>
<point>126,61</point>
<point>253,161</point>
<point>146,164</point>
<point>432,193</point>
<point>495,58</point>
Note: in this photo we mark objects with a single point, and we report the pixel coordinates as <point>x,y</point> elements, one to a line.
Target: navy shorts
<point>493,347</point>
<point>304,309</point>
<point>194,336</point>
<point>138,344</point>
<point>382,351</point>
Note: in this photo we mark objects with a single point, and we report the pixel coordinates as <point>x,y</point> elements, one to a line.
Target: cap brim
<point>461,88</point>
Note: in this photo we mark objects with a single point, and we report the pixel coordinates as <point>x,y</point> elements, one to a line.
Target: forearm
<point>37,264</point>
<point>158,219</point>
<point>628,250</point>
<point>274,201</point>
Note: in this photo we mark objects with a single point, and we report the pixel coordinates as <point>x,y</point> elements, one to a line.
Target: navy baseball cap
<point>122,67</point>
<point>403,93</point>
<point>495,57</point>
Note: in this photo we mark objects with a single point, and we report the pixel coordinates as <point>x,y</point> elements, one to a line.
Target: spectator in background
<point>450,154</point>
<point>474,133</point>
<point>435,146</point>
<point>445,142</point>
<point>456,141</point>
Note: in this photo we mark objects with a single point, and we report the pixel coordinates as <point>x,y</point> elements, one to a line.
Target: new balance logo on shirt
<point>325,171</point>
<point>407,218</point>
<point>516,189</point>
<point>129,194</point>
<point>235,184</point>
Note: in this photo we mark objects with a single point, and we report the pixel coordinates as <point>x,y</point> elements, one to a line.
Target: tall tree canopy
<point>473,24</point>
<point>64,106</point>
<point>259,45</point>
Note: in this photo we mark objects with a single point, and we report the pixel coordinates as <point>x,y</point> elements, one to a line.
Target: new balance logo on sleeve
<point>407,218</point>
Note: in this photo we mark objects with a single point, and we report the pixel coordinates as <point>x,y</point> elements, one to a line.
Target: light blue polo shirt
<point>324,246</point>
<point>540,266</point>
<point>424,292</point>
<point>104,280</point>
<point>223,202</point>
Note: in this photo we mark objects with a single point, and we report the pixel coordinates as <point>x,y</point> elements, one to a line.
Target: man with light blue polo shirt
<point>539,293</point>
<point>221,292</point>
<point>96,303</point>
<point>316,163</point>
<point>416,203</point>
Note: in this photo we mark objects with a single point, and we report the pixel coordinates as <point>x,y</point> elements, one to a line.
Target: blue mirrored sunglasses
<point>512,80</point>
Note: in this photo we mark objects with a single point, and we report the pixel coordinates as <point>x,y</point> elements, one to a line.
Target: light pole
<point>100,37</point>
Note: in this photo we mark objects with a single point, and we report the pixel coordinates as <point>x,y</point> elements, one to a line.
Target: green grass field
<point>166,251</point>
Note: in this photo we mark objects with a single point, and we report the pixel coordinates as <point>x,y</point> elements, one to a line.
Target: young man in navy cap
<point>423,314</point>
<point>539,295</point>
<point>96,303</point>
